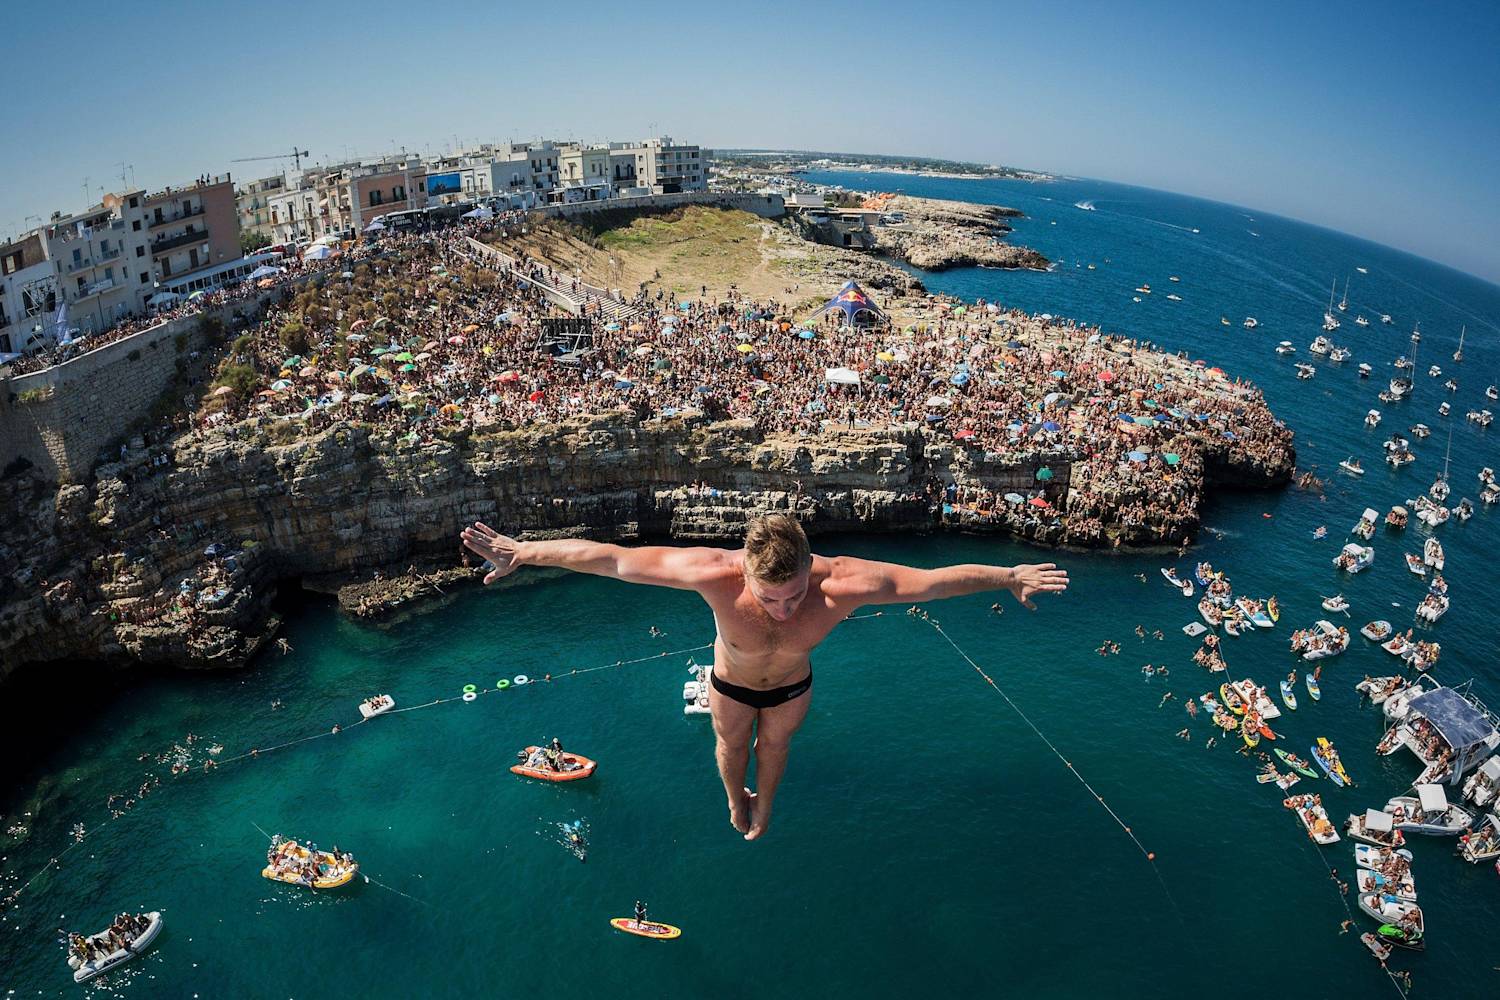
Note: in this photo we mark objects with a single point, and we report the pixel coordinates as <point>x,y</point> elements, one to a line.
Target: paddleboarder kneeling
<point>773,601</point>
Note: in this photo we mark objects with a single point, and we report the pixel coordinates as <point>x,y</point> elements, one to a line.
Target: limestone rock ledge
<point>178,563</point>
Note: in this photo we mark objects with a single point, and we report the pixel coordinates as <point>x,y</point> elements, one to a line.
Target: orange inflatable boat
<point>574,768</point>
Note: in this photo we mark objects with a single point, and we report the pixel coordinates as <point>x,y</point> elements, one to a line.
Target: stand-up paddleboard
<point>647,928</point>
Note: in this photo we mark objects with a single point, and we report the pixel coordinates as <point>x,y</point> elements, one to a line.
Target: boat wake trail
<point>1087,206</point>
<point>1169,225</point>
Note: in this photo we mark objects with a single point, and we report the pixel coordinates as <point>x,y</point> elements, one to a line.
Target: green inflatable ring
<point>502,684</point>
<point>470,689</point>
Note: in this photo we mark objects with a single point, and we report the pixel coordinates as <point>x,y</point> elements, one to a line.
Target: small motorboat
<point>1386,318</point>
<point>1223,320</point>
<point>1435,372</point>
<point>1415,564</point>
<point>1492,393</point>
<point>1483,786</point>
<point>1483,842</point>
<point>290,862</point>
<point>1144,289</point>
<point>1305,370</point>
<point>1377,858</point>
<point>1375,828</point>
<point>1288,695</point>
<point>1451,385</point>
<point>1396,519</point>
<point>1372,418</point>
<point>1429,812</point>
<point>98,966</point>
<point>1328,759</point>
<point>1285,347</point>
<point>1376,631</point>
<point>1444,409</point>
<point>1251,323</point>
<point>376,705</point>
<point>1432,554</point>
<point>1404,888</point>
<point>1351,465</point>
<point>1364,370</point>
<point>1481,417</point>
<point>1433,607</point>
<point>1320,345</point>
<point>1173,297</point>
<point>1401,921</point>
<point>1361,321</point>
<point>532,763</point>
<point>1420,430</point>
<point>1296,763</point>
<point>1354,558</point>
<point>1309,809</point>
<point>1335,603</point>
<point>695,691</point>
<point>1339,354</point>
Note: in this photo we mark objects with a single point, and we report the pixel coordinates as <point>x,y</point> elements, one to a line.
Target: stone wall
<point>767,206</point>
<point>62,417</point>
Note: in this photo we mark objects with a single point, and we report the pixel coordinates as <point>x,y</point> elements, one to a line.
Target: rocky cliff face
<point>941,234</point>
<point>174,557</point>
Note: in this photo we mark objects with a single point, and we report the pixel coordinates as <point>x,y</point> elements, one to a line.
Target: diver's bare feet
<point>760,818</point>
<point>739,811</point>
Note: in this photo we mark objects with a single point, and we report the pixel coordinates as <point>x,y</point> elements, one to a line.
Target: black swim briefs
<point>761,699</point>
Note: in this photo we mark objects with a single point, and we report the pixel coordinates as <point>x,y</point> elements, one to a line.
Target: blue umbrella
<point>624,383</point>
<point>703,389</point>
<point>808,335</point>
<point>611,326</point>
<point>1050,425</point>
<point>1059,373</point>
<point>1126,418</point>
<point>962,378</point>
<point>1137,456</point>
<point>684,306</point>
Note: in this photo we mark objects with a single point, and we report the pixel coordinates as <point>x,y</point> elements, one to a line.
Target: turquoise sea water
<point>925,839</point>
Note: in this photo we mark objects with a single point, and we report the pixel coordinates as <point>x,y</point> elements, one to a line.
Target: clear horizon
<point>1363,118</point>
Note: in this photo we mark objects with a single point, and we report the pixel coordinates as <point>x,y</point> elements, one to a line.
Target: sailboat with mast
<point>1402,384</point>
<point>1330,321</point>
<point>1439,489</point>
<point>1344,302</point>
<point>1458,355</point>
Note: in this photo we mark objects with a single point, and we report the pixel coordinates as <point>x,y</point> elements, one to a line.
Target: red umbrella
<point>964,434</point>
<point>1106,376</point>
<point>1038,502</point>
<point>535,397</point>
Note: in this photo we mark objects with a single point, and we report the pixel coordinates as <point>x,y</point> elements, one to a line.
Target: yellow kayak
<point>332,873</point>
<point>647,928</point>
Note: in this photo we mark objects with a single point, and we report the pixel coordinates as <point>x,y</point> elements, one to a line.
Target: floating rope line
<point>9,899</point>
<point>1150,856</point>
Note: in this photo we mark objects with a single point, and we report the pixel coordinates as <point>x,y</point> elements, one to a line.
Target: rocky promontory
<point>937,235</point>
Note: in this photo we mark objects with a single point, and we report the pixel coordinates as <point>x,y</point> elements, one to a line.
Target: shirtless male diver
<point>773,602</point>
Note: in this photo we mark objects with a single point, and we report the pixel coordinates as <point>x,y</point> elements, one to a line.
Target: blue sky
<point>1378,119</point>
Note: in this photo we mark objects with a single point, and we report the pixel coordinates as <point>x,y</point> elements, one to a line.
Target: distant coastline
<point>795,161</point>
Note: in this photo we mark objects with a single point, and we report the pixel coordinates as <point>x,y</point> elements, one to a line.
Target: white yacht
<point>1344,302</point>
<point>1420,430</point>
<point>1386,318</point>
<point>1429,812</point>
<point>1305,370</point>
<point>1492,393</point>
<point>1435,372</point>
<point>1458,355</point>
<point>1416,332</point>
<point>1481,417</point>
<point>1364,370</point>
<point>1361,321</point>
<point>1339,354</point>
<point>1251,322</point>
<point>1320,345</point>
<point>1372,419</point>
<point>1444,409</point>
<point>1483,785</point>
<point>1285,347</point>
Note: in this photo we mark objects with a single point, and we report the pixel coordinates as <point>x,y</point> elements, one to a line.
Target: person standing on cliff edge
<point>773,601</point>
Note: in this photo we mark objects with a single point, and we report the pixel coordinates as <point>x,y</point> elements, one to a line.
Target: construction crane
<point>295,156</point>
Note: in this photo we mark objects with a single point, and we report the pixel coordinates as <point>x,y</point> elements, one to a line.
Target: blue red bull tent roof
<point>851,300</point>
<point>1454,717</point>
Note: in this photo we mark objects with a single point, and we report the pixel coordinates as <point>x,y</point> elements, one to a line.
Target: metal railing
<point>173,242</point>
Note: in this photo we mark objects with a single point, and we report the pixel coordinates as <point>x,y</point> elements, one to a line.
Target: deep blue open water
<point>925,839</point>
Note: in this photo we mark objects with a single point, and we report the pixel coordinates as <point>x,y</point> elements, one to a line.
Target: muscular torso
<point>754,650</point>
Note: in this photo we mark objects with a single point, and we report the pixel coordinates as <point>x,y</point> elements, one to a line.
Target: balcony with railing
<point>81,264</point>
<point>173,242</point>
<point>167,220</point>
<point>96,288</point>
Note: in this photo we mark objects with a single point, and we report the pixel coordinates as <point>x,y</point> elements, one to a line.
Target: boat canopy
<point>1326,627</point>
<point>1458,721</point>
<point>1399,509</point>
<point>1377,821</point>
<point>1370,514</point>
<point>1432,798</point>
<point>1491,769</point>
<point>1355,550</point>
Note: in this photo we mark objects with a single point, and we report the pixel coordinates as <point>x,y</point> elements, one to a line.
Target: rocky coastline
<point>174,555</point>
<point>938,235</point>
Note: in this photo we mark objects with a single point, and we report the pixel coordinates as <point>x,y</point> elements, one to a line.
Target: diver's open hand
<point>1037,578</point>
<point>489,544</point>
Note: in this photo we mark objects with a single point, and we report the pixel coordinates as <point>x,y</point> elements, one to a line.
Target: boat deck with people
<point>127,937</point>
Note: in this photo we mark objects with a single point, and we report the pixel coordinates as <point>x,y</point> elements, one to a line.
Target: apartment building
<point>583,174</point>
<point>192,228</point>
<point>28,294</point>
<point>253,204</point>
<point>665,166</point>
